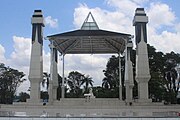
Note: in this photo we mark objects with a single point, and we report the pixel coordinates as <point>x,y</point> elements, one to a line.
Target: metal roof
<point>90,40</point>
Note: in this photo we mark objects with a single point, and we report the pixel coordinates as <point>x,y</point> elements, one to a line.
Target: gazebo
<point>89,39</point>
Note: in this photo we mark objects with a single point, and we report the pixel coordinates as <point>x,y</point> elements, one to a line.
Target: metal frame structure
<point>90,40</point>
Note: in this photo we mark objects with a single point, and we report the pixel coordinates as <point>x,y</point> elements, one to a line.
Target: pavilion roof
<point>90,40</point>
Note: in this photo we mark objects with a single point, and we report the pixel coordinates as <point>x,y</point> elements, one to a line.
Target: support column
<point>36,62</point>
<point>63,79</point>
<point>120,80</point>
<point>53,84</point>
<point>142,62</point>
<point>129,82</point>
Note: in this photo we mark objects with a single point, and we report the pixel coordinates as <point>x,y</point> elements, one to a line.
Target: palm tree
<point>106,83</point>
<point>87,81</point>
<point>171,79</point>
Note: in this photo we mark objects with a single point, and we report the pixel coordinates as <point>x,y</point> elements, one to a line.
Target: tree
<point>156,65</point>
<point>87,81</point>
<point>164,82</point>
<point>10,79</point>
<point>171,76</point>
<point>110,82</point>
<point>74,82</point>
<point>106,83</point>
<point>111,73</point>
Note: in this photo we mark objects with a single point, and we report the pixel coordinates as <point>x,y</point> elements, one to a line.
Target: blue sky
<point>65,15</point>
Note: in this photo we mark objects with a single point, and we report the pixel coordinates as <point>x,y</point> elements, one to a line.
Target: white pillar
<point>63,79</point>
<point>142,62</point>
<point>120,80</point>
<point>36,62</point>
<point>129,82</point>
<point>53,84</point>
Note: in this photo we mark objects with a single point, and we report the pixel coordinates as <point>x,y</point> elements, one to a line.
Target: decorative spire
<point>89,23</point>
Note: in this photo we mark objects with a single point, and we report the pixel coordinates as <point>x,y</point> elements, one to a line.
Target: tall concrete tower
<point>142,62</point>
<point>36,63</point>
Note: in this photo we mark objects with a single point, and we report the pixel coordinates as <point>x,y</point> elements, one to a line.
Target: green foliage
<point>164,81</point>
<point>101,92</point>
<point>75,81</point>
<point>10,79</point>
<point>87,81</point>
<point>171,78</point>
<point>111,73</point>
<point>110,82</point>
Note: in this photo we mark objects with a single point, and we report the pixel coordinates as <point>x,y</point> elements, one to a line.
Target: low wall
<point>96,108</point>
<point>21,118</point>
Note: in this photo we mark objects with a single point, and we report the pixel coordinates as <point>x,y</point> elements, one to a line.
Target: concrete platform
<point>98,107</point>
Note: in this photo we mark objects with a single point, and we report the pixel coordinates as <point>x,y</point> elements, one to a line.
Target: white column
<point>129,82</point>
<point>36,62</point>
<point>142,62</point>
<point>63,79</point>
<point>53,84</point>
<point>142,71</point>
<point>120,80</point>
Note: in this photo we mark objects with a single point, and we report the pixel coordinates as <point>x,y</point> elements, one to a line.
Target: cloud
<point>87,64</point>
<point>107,20</point>
<point>53,23</point>
<point>2,52</point>
<point>166,41</point>
<point>163,30</point>
<point>21,53</point>
<point>125,6</point>
<point>160,14</point>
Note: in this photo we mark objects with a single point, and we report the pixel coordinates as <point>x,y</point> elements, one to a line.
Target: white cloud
<point>115,21</point>
<point>22,50</point>
<point>177,27</point>
<point>2,52</point>
<point>46,61</point>
<point>166,41</point>
<point>53,23</point>
<point>140,1</point>
<point>126,6</point>
<point>160,14</point>
<point>88,64</point>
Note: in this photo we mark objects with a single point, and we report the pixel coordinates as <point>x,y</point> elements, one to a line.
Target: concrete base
<point>98,107</point>
<point>29,103</point>
<point>89,103</point>
<point>144,100</point>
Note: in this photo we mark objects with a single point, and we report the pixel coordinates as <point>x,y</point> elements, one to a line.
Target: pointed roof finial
<point>89,23</point>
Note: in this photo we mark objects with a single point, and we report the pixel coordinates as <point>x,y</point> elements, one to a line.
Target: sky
<point>65,15</point>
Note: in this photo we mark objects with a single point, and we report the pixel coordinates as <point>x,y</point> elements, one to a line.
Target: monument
<point>90,39</point>
<point>36,62</point>
<point>142,63</point>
